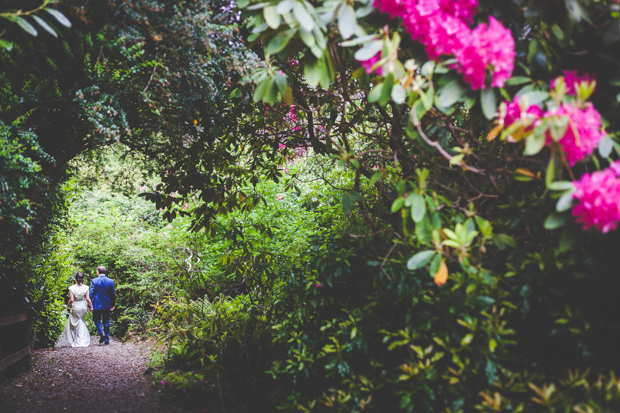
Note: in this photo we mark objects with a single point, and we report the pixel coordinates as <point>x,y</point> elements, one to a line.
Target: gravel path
<point>96,378</point>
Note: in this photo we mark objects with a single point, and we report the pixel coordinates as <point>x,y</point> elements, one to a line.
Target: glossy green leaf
<point>605,146</point>
<point>556,220</point>
<point>503,240</point>
<point>272,18</point>
<point>368,51</point>
<point>557,31</point>
<point>313,73</point>
<point>398,94</point>
<point>418,208</point>
<point>259,92</point>
<point>386,89</point>
<point>302,15</point>
<point>347,21</point>
<point>285,6</point>
<point>27,27</point>
<point>449,94</point>
<point>487,100</point>
<point>279,42</point>
<point>518,80</point>
<point>59,17</point>
<point>565,202</point>
<point>534,144</point>
<point>307,37</point>
<point>561,186</point>
<point>377,177</point>
<point>397,204</point>
<point>44,25</point>
<point>281,82</point>
<point>420,259</point>
<point>375,93</point>
<point>8,46</point>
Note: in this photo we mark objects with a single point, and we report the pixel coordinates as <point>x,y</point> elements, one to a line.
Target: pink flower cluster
<point>599,199</point>
<point>515,112</point>
<point>487,46</point>
<point>293,117</point>
<point>584,131</point>
<point>368,64</point>
<point>572,78</point>
<point>443,27</point>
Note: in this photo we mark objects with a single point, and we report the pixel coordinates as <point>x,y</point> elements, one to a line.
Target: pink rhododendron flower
<point>442,26</point>
<point>515,112</point>
<point>368,64</point>
<point>163,382</point>
<point>291,114</point>
<point>571,78</point>
<point>284,169</point>
<point>586,123</point>
<point>461,9</point>
<point>599,200</point>
<point>280,146</point>
<point>143,188</point>
<point>394,8</point>
<point>185,206</point>
<point>444,35</point>
<point>280,197</point>
<point>615,167</point>
<point>492,45</point>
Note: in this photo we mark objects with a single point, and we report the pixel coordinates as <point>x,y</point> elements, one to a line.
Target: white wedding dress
<point>76,333</point>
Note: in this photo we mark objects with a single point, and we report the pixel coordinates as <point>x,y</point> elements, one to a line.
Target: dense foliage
<point>138,72</point>
<point>475,200</point>
<point>406,206</point>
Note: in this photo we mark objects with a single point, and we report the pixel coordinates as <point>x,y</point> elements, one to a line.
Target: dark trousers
<point>105,331</point>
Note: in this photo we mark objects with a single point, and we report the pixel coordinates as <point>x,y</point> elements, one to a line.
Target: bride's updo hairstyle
<point>79,277</point>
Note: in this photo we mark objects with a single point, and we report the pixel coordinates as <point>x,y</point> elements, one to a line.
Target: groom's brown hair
<point>101,269</point>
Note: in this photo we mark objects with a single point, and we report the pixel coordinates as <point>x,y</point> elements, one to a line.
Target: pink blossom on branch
<point>583,134</point>
<point>394,8</point>
<point>571,78</point>
<point>516,112</point>
<point>615,167</point>
<point>442,26</point>
<point>368,64</point>
<point>491,46</point>
<point>445,35</point>
<point>439,25</point>
<point>461,9</point>
<point>599,200</point>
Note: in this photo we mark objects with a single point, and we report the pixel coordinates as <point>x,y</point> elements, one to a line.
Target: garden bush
<point>404,206</point>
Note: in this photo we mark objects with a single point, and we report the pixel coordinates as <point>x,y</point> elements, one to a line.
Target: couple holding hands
<point>99,299</point>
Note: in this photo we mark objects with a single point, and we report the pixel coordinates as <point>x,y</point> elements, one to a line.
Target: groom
<point>103,297</point>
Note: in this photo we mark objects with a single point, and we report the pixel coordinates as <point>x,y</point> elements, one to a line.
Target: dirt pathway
<point>97,378</point>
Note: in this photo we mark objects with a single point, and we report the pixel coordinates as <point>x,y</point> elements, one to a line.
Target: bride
<point>76,333</point>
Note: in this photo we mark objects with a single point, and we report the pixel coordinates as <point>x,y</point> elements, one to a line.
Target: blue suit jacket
<point>102,293</point>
